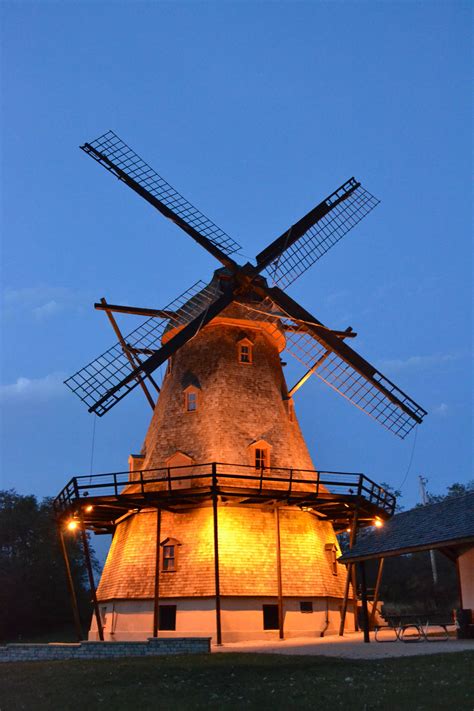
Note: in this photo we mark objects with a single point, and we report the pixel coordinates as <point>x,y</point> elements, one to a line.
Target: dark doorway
<point>167,617</point>
<point>270,617</point>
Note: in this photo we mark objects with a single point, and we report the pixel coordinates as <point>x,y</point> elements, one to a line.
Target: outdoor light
<point>89,508</point>
<point>72,525</point>
<point>348,530</point>
<point>378,522</point>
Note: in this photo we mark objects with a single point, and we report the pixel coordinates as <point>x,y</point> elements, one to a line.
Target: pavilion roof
<point>441,525</point>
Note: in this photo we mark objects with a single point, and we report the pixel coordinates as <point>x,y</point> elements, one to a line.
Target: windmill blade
<point>111,152</point>
<point>108,370</point>
<point>338,365</point>
<point>297,249</point>
<point>118,391</point>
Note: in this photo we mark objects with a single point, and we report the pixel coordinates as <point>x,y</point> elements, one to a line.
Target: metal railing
<point>219,475</point>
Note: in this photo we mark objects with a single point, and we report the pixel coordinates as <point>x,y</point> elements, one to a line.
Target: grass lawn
<point>240,681</point>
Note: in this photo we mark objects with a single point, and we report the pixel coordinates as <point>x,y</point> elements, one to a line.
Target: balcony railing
<point>219,477</point>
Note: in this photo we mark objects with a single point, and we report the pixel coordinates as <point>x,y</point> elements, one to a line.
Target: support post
<point>345,600</point>
<point>278,562</point>
<point>365,612</point>
<point>156,598</point>
<point>354,598</point>
<point>378,583</point>
<point>350,574</point>
<point>216,554</point>
<point>70,583</point>
<point>90,574</point>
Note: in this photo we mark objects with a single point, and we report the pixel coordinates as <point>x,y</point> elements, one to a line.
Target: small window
<point>245,348</point>
<point>169,558</point>
<point>331,553</point>
<point>191,401</point>
<point>270,617</point>
<point>103,615</point>
<point>306,606</point>
<point>261,458</point>
<point>167,617</point>
<point>169,366</point>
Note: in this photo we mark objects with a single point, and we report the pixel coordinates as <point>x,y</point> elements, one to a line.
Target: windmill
<point>224,465</point>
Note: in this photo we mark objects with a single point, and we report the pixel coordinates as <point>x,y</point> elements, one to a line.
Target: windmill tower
<point>223,526</point>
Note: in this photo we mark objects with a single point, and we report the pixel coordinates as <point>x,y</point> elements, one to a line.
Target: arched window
<point>245,351</point>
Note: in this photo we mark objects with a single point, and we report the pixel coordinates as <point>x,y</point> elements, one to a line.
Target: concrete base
<point>241,619</point>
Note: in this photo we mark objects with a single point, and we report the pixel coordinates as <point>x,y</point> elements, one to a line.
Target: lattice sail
<point>125,158</point>
<point>95,380</point>
<point>339,374</point>
<point>320,237</point>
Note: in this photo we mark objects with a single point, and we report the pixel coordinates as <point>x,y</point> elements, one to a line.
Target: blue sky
<point>255,112</point>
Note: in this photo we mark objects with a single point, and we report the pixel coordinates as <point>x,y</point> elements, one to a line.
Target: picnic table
<point>415,627</point>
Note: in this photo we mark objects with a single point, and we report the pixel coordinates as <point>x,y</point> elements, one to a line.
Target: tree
<point>34,597</point>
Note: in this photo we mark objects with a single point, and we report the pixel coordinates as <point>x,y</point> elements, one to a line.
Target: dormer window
<point>169,558</point>
<point>169,555</point>
<point>191,399</point>
<point>261,458</point>
<point>260,454</point>
<point>245,351</point>
<point>331,554</point>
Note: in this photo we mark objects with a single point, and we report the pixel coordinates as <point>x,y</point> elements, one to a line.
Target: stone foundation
<point>241,618</point>
<point>103,650</point>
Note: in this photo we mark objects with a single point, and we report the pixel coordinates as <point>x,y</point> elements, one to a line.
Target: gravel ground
<point>351,646</point>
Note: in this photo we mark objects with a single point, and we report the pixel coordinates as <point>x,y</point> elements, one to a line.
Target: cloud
<point>37,389</point>
<point>41,301</point>
<point>441,410</point>
<point>419,361</point>
<point>47,310</point>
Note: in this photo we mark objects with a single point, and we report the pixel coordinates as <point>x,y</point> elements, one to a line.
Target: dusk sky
<point>255,112</point>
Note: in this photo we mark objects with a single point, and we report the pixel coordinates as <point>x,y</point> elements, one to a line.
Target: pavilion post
<point>90,574</point>
<point>216,554</point>
<point>279,579</point>
<point>365,612</point>
<point>156,595</point>
<point>70,583</point>
<point>378,583</point>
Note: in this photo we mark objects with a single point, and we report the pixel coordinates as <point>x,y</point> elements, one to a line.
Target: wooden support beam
<point>350,575</point>
<point>345,600</point>
<point>354,598</point>
<point>365,613</point>
<point>216,554</point>
<point>156,596</point>
<point>378,583</point>
<point>279,578</point>
<point>70,582</point>
<point>134,310</point>
<point>90,575</point>
<point>134,362</point>
<point>308,373</point>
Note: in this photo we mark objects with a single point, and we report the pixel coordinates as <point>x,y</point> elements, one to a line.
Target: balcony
<point>102,500</point>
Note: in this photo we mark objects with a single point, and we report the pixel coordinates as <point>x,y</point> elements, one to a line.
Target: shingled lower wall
<point>103,650</point>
